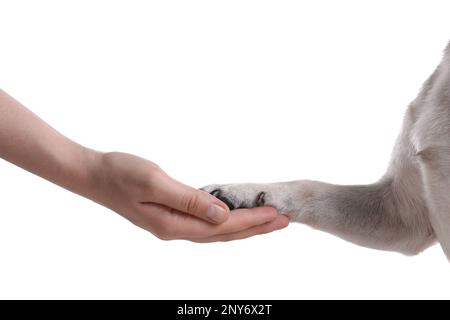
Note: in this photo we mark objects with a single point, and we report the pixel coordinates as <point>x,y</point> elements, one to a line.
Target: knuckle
<point>165,238</point>
<point>191,203</point>
<point>165,232</point>
<point>152,177</point>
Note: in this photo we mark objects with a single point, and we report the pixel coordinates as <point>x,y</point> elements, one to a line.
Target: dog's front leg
<point>366,215</point>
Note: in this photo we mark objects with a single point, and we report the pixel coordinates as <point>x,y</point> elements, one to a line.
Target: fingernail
<point>216,213</point>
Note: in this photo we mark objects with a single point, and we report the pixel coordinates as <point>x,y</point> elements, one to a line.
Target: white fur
<point>407,210</point>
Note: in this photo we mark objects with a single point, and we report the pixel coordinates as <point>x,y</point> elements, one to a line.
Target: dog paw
<point>237,196</point>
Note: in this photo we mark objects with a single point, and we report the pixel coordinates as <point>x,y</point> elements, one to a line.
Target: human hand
<point>140,191</point>
<point>133,187</point>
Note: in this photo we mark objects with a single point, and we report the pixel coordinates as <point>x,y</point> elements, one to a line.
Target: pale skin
<point>136,188</point>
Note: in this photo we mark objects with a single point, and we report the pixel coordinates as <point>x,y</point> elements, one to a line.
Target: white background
<point>214,92</point>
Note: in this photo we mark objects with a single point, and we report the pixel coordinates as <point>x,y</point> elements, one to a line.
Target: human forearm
<point>30,143</point>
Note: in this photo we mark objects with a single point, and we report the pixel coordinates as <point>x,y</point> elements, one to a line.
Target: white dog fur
<point>407,210</point>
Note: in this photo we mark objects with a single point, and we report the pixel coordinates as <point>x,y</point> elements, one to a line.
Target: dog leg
<point>404,211</point>
<point>435,164</point>
<point>366,215</point>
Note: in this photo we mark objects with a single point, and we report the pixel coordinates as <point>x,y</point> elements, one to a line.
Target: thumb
<point>181,197</point>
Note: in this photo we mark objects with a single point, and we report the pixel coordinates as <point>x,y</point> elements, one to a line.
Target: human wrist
<point>84,175</point>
